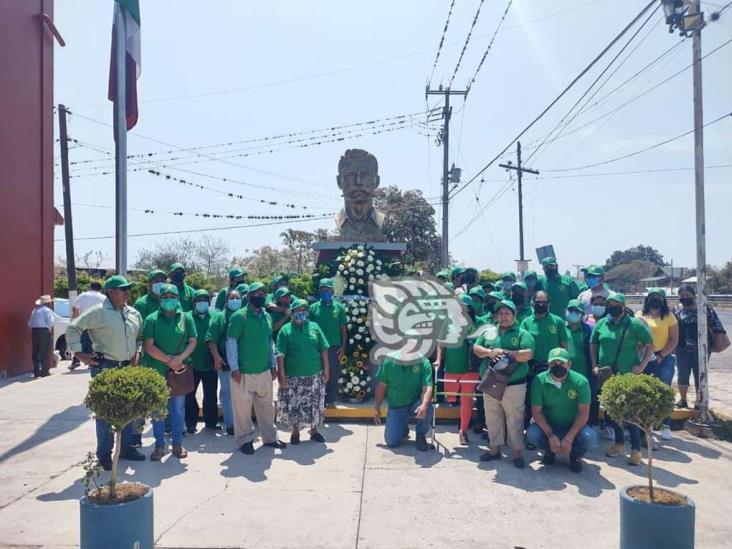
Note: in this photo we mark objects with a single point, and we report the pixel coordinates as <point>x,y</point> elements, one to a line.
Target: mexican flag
<point>130,10</point>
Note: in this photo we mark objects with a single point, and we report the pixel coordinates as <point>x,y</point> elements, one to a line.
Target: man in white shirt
<point>84,301</point>
<point>41,323</point>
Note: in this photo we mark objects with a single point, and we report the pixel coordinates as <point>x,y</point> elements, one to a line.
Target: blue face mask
<point>506,285</point>
<point>202,307</point>
<point>326,296</point>
<point>573,317</point>
<point>598,310</point>
<point>233,304</point>
<point>593,281</point>
<point>300,316</point>
<point>530,283</point>
<point>157,287</point>
<point>169,303</point>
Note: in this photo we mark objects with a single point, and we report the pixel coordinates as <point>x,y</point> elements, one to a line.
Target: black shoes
<point>422,444</point>
<point>106,463</point>
<point>317,437</point>
<point>575,464</point>
<point>682,404</point>
<point>519,462</point>
<point>191,429</point>
<point>548,458</point>
<point>247,448</point>
<point>230,431</point>
<point>487,456</point>
<point>295,438</point>
<point>131,454</point>
<point>276,444</point>
<point>213,428</point>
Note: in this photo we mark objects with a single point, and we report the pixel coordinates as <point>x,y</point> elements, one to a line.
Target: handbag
<point>181,382</point>
<point>720,342</point>
<point>494,382</point>
<point>604,373</point>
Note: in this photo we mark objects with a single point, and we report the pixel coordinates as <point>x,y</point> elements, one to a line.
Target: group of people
<point>555,340</point>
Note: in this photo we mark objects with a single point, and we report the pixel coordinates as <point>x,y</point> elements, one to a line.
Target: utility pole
<point>445,138</point>
<point>519,169</point>
<point>68,225</point>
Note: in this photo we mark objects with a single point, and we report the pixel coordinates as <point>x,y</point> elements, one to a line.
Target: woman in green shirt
<point>302,368</point>
<point>169,337</point>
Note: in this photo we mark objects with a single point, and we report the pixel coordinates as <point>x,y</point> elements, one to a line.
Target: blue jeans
<point>397,420</point>
<point>664,371</point>
<point>585,439</point>
<point>105,437</point>
<point>633,432</point>
<point>225,398</point>
<point>176,413</point>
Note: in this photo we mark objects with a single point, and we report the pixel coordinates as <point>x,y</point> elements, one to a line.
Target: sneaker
<point>635,458</point>
<point>180,452</point>
<point>247,448</point>
<point>131,454</point>
<point>666,433</point>
<point>276,444</point>
<point>463,438</point>
<point>682,404</point>
<point>519,462</point>
<point>615,450</point>
<point>422,444</point>
<point>487,456</point>
<point>575,465</point>
<point>608,433</point>
<point>548,458</point>
<point>158,453</point>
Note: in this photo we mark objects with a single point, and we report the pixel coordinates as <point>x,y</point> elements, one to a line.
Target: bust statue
<point>358,178</point>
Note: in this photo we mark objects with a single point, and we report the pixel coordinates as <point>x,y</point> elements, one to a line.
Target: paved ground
<point>352,492</point>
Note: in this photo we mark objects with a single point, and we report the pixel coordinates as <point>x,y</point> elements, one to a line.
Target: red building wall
<point>26,173</point>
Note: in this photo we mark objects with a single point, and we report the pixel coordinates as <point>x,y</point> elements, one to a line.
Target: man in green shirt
<point>560,407</point>
<point>250,355</point>
<point>279,281</point>
<point>282,312</point>
<point>177,275</point>
<point>150,302</point>
<point>236,277</point>
<point>203,370</point>
<point>531,281</point>
<point>477,294</point>
<point>520,298</point>
<point>561,288</point>
<point>114,329</point>
<point>505,418</point>
<point>407,387</point>
<point>330,315</point>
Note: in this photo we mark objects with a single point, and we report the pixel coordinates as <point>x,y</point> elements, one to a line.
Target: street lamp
<point>674,11</point>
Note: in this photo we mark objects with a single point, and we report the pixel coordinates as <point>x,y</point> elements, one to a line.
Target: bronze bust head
<point>358,179</point>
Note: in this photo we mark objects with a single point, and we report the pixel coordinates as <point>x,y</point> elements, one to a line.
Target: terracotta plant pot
<point>644,525</point>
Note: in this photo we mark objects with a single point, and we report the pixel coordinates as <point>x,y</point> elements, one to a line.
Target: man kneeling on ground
<point>560,407</point>
<point>408,390</point>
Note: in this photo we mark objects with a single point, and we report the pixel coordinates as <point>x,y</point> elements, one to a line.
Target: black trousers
<point>210,381</point>
<point>41,340</point>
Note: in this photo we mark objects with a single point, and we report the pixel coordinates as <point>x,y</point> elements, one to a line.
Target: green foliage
<point>636,253</point>
<point>720,280</point>
<point>487,275</point>
<point>626,277</point>
<point>642,400</point>
<point>302,285</point>
<point>92,472</point>
<point>83,283</point>
<point>120,395</point>
<point>201,281</point>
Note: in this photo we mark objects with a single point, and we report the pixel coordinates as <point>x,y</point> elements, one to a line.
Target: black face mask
<point>470,278</point>
<point>550,273</point>
<point>615,310</point>
<point>177,277</point>
<point>686,301</point>
<point>540,308</point>
<point>559,372</point>
<point>256,300</point>
<point>655,303</point>
<point>471,314</point>
<point>518,299</point>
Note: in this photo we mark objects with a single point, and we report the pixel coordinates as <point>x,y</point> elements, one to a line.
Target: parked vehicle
<point>63,316</point>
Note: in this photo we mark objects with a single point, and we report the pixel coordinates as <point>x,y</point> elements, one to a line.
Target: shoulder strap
<point>614,365</point>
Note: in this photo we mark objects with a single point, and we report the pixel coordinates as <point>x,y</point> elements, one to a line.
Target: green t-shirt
<point>276,317</point>
<point>301,345</point>
<point>577,351</point>
<point>404,384</point>
<point>560,289</point>
<point>147,304</point>
<point>607,336</point>
<point>201,358</point>
<point>217,329</point>
<point>513,339</point>
<point>253,332</point>
<point>456,358</point>
<point>221,298</point>
<point>560,406</point>
<point>330,317</point>
<point>548,332</point>
<point>185,296</point>
<point>523,313</point>
<point>169,334</point>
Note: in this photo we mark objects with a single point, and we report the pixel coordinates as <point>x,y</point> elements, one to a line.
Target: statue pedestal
<point>328,250</point>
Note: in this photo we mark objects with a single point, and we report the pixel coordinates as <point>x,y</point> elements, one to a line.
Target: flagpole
<point>120,140</point>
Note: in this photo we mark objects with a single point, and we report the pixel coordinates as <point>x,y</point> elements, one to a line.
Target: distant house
<point>666,277</point>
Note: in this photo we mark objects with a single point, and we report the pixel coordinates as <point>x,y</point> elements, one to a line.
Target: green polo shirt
<point>147,304</point>
<point>220,303</point>
<point>607,336</point>
<point>253,332</point>
<point>523,313</point>
<point>170,335</point>
<point>201,358</point>
<point>513,339</point>
<point>548,332</point>
<point>404,384</point>
<point>456,358</point>
<point>217,329</point>
<point>561,289</point>
<point>301,345</point>
<point>185,296</point>
<point>330,317</point>
<point>560,406</point>
<point>577,351</point>
<point>276,317</point>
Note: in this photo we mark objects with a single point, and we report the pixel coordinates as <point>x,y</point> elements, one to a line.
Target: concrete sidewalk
<point>351,492</point>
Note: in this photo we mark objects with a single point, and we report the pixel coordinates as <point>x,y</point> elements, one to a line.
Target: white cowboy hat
<point>44,299</point>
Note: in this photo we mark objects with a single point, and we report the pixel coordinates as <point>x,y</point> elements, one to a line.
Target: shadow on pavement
<point>423,459</point>
<point>55,426</point>
<point>676,450</point>
<point>252,467</point>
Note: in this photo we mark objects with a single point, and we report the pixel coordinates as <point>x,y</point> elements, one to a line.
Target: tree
<point>163,254</point>
<point>212,256</point>
<point>263,262</point>
<point>298,251</point>
<point>636,253</point>
<point>720,280</point>
<point>626,276</point>
<point>410,219</point>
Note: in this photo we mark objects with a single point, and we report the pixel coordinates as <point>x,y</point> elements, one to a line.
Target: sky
<point>225,71</point>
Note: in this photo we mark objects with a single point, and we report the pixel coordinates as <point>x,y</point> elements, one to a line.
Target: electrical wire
<point>490,45</point>
<point>442,41</point>
<point>465,46</point>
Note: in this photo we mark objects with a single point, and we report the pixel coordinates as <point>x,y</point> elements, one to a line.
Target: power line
<point>467,41</point>
<point>629,172</point>
<point>442,41</point>
<point>556,100</point>
<point>490,45</point>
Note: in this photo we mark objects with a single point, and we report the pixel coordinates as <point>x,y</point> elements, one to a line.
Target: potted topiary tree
<point>649,516</point>
<point>121,515</point>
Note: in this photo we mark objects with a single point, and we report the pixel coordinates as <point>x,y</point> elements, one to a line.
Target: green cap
<point>201,293</point>
<point>467,301</point>
<point>236,272</point>
<point>155,273</point>
<point>520,285</point>
<point>443,274</point>
<point>326,283</point>
<point>176,266</point>
<point>477,290</point>
<point>116,282</point>
<point>255,287</point>
<point>242,288</point>
<point>508,276</point>
<point>298,303</point>
<point>548,261</point>
<point>456,271</point>
<point>504,303</point>
<point>450,285</point>
<point>279,278</point>
<point>616,296</point>
<point>496,295</point>
<point>169,289</point>
<point>530,274</point>
<point>595,270</point>
<point>281,292</point>
<point>558,354</point>
<point>487,284</point>
<point>575,304</point>
<point>657,291</point>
